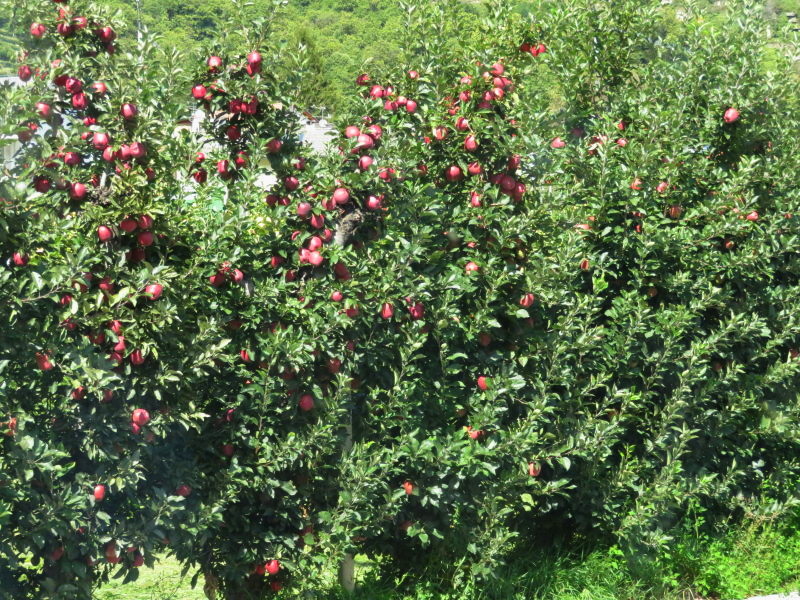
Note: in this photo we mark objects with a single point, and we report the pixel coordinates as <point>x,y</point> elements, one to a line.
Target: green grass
<point>754,558</point>
<point>162,583</point>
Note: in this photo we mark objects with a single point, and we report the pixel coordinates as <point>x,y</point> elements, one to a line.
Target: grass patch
<point>755,558</point>
<point>162,583</point>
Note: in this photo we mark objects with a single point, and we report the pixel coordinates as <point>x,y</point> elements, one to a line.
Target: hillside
<point>340,35</point>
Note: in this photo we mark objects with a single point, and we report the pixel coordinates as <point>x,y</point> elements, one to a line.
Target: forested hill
<point>340,34</point>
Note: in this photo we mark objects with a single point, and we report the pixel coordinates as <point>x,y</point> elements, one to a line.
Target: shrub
<point>483,319</point>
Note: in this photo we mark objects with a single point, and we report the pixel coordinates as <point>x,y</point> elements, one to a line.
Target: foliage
<point>541,288</point>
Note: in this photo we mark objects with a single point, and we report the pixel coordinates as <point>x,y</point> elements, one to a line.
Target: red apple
<point>24,72</point>
<point>104,233</point>
<point>527,300</point>
<point>99,492</point>
<point>408,487</point>
<point>154,290</point>
<point>140,417</point>
<point>731,115</point>
<point>483,383</point>
<point>306,402</point>
<point>453,173</point>
<point>534,468</point>
<point>128,225</point>
<point>199,92</point>
<point>38,30</point>
<point>100,140</point>
<point>129,111</point>
<point>214,63</point>
<point>471,267</point>
<point>272,567</point>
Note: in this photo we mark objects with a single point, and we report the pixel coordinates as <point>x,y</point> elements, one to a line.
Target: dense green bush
<point>543,284</point>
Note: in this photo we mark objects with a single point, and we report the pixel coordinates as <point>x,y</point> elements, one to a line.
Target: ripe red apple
<point>140,417</point>
<point>80,101</point>
<point>214,63</point>
<point>462,124</point>
<point>233,133</point>
<point>38,30</point>
<point>731,115</point>
<point>272,567</point>
<point>43,109</point>
<point>752,216</point>
<point>484,339</point>
<point>24,72</point>
<point>584,264</point>
<point>337,296</point>
<point>100,140</point>
<point>99,492</point>
<point>453,173</point>
<point>72,159</point>
<point>315,258</point>
<point>129,111</point>
<point>408,487</point>
<point>245,356</point>
<point>77,191</point>
<point>154,290</point>
<point>19,259</point>
<point>364,142</point>
<point>527,300</point>
<point>341,271</point>
<point>137,150</point>
<point>306,402</point>
<point>471,143</point>
<point>137,358</point>
<point>104,233</point>
<point>128,225</point>
<point>636,184</point>
<point>675,211</point>
<point>483,383</point>
<point>183,490</point>
<point>100,88</point>
<point>254,59</point>
<point>106,34</point>
<point>662,187</point>
<point>387,310</point>
<point>411,106</point>
<point>145,222</point>
<point>417,311</point>
<point>199,92</point>
<point>534,468</point>
<point>227,450</point>
<point>475,434</point>
<point>373,203</point>
<point>303,209</point>
<point>471,267</point>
